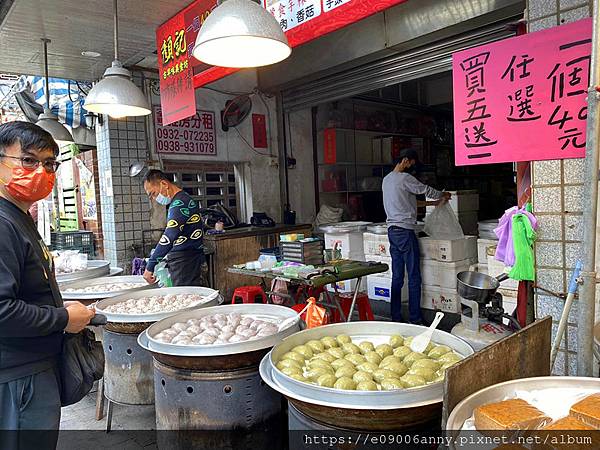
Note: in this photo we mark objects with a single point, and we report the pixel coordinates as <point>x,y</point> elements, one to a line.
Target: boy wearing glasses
<point>33,317</point>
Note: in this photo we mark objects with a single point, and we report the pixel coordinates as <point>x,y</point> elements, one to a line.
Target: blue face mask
<point>163,199</point>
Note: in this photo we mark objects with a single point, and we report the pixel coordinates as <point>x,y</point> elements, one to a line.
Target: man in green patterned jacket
<point>182,241</point>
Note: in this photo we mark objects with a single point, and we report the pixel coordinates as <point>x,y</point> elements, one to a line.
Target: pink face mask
<point>30,185</point>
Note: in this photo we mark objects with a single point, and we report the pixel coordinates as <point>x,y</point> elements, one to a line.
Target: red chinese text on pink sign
<point>195,135</point>
<point>523,98</point>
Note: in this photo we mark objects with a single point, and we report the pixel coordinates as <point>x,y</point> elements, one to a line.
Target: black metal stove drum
<point>129,372</point>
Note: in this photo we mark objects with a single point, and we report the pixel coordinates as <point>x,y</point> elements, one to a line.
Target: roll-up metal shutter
<point>420,62</point>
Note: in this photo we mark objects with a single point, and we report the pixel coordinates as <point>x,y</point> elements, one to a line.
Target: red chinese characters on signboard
<point>177,96</point>
<point>194,135</point>
<point>524,98</point>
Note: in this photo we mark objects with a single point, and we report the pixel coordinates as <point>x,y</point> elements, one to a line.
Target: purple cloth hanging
<point>138,266</point>
<point>505,251</point>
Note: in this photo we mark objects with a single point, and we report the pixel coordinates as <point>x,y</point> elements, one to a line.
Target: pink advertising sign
<point>523,98</point>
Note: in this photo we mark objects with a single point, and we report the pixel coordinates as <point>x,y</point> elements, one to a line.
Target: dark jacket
<point>32,316</point>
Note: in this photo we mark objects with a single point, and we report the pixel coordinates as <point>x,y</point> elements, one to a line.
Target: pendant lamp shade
<point>50,123</point>
<point>47,120</point>
<point>116,95</point>
<point>241,33</point>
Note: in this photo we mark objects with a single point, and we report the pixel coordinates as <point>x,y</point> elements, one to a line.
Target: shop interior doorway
<point>357,137</point>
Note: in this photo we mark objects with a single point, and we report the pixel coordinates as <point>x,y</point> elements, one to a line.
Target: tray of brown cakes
<point>535,408</point>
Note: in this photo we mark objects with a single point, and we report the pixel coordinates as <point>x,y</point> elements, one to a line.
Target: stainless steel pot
<point>477,286</point>
<point>210,299</point>
<point>100,282</point>
<point>95,269</point>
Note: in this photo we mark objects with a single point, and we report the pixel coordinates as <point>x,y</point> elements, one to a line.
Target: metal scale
<point>481,310</point>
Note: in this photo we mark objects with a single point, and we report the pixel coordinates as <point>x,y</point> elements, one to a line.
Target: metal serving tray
<point>101,281</point>
<point>376,332</point>
<point>95,268</point>
<point>498,392</point>
<point>273,313</point>
<point>211,298</point>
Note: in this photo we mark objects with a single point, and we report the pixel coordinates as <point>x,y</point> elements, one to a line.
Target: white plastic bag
<point>442,223</point>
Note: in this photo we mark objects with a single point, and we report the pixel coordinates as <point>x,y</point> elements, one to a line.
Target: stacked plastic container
<point>377,248</point>
<point>465,204</point>
<point>347,238</point>
<point>441,261</point>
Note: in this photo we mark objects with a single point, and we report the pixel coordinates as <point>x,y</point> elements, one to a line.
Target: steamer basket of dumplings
<point>531,406</point>
<point>362,375</point>
<point>128,377</point>
<point>206,366</point>
<point>104,287</point>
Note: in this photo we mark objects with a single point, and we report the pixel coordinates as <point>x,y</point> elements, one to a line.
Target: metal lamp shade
<point>241,33</point>
<point>50,123</point>
<point>116,95</point>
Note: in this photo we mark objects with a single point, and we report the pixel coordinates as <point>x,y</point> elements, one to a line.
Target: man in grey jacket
<point>400,190</point>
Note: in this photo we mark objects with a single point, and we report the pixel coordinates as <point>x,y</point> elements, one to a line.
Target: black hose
<point>515,323</point>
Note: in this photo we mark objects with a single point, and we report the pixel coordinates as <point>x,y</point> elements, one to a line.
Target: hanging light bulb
<point>241,33</point>
<point>47,120</point>
<point>115,94</point>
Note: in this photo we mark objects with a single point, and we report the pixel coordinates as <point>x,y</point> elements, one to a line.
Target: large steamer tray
<point>95,268</point>
<point>568,386</point>
<point>211,298</point>
<point>103,281</point>
<point>377,333</point>
<point>272,313</point>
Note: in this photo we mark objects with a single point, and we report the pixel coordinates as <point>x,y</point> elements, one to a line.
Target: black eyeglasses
<point>31,163</point>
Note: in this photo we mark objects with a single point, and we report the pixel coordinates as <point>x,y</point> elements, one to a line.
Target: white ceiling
<point>78,25</point>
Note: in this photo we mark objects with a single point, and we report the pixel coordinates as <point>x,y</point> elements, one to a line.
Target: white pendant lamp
<point>241,33</point>
<point>115,94</point>
<point>47,120</point>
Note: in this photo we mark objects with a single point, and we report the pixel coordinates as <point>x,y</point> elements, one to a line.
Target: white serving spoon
<point>291,320</point>
<point>420,342</point>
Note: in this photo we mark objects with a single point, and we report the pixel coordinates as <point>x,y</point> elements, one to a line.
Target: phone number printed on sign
<point>195,135</point>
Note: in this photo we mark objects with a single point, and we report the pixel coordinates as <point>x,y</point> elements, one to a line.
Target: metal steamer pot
<point>477,286</point>
<point>214,387</point>
<point>361,410</point>
<point>100,282</point>
<point>129,376</point>
<point>95,269</point>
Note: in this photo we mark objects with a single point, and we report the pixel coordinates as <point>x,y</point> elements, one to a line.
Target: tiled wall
<point>126,208</point>
<point>558,203</point>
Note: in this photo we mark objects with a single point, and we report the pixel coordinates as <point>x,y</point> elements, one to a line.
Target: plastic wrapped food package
<point>217,329</point>
<point>364,366</point>
<point>70,261</point>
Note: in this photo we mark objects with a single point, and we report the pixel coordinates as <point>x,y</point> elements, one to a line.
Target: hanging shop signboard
<point>305,20</point>
<point>194,135</point>
<point>177,96</point>
<point>523,98</point>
